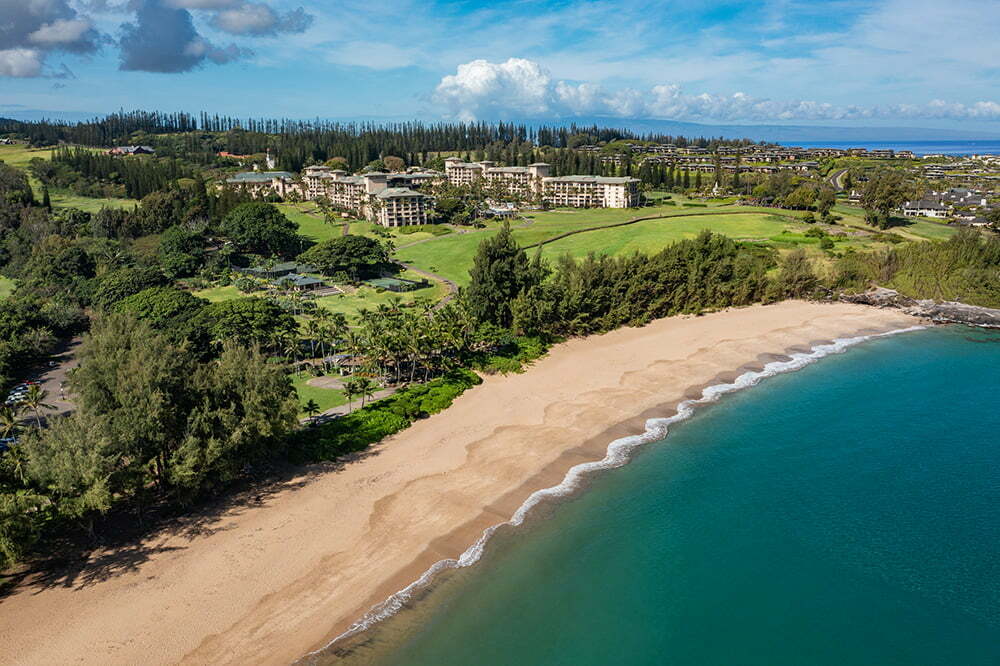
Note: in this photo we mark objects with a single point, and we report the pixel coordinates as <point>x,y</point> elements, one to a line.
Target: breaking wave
<point>618,454</point>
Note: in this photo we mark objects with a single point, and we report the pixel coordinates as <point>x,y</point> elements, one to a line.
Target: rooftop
<point>605,180</point>
<point>259,176</point>
<point>398,193</point>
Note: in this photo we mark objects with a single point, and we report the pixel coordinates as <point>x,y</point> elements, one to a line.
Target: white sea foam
<point>618,454</point>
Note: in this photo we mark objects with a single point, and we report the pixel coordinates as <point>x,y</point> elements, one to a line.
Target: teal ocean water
<point>846,513</point>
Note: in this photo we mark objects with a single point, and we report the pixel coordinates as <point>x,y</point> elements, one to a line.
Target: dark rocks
<point>946,312</point>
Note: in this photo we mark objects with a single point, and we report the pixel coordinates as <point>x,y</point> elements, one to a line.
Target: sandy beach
<point>267,583</point>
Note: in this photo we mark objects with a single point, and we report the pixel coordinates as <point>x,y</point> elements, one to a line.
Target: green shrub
<point>363,427</point>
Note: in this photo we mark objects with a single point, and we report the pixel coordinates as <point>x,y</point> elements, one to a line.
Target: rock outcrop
<point>945,312</point>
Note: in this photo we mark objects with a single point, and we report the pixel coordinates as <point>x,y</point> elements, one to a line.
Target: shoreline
<point>623,442</point>
<point>273,583</point>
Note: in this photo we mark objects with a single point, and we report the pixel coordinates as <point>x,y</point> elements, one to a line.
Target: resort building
<point>391,199</point>
<point>263,183</point>
<point>534,181</point>
<point>400,207</point>
<point>591,191</point>
<point>523,183</point>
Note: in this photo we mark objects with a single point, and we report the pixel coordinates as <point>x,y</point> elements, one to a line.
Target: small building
<point>397,285</point>
<point>132,150</point>
<point>296,282</point>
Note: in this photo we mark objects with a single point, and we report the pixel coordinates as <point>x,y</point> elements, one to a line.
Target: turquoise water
<point>847,513</point>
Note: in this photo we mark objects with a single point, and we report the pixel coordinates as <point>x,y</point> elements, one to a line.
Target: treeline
<point>299,143</point>
<point>964,268</point>
<point>138,176</point>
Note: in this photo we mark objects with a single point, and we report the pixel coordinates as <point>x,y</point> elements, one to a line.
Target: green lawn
<point>19,155</point>
<point>6,287</point>
<point>325,398</point>
<point>451,256</point>
<point>653,235</point>
<point>370,298</point>
<point>218,294</point>
<point>310,221</point>
<point>350,304</point>
<point>65,199</point>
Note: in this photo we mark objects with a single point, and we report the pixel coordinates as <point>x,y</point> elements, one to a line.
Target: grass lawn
<point>369,298</point>
<point>66,199</point>
<point>219,294</point>
<point>653,235</point>
<point>325,398</point>
<point>6,287</point>
<point>451,256</point>
<point>350,304</point>
<point>310,221</point>
<point>19,155</point>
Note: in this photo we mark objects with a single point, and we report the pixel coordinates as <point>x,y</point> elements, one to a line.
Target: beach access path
<point>266,582</point>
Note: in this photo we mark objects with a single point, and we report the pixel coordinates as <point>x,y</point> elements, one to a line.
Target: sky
<point>916,63</point>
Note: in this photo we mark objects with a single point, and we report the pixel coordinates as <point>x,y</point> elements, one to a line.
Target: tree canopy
<point>260,228</point>
<point>354,255</point>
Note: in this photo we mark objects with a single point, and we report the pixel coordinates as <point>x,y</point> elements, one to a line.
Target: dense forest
<point>298,143</point>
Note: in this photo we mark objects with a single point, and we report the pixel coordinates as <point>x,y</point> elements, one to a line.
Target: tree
<point>181,251</point>
<point>365,388</point>
<point>825,201</point>
<point>885,191</point>
<point>338,163</point>
<point>500,272</point>
<point>125,282</point>
<point>46,199</point>
<point>245,321</point>
<point>34,400</point>
<point>260,228</point>
<point>10,422</point>
<point>349,254</point>
<point>311,408</point>
<point>351,388</point>
<point>796,277</point>
<point>393,164</point>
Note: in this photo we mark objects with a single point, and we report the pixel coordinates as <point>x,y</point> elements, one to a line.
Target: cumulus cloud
<point>31,31</point>
<point>258,19</point>
<point>164,39</point>
<point>523,88</point>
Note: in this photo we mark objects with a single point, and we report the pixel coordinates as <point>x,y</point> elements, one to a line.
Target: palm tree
<point>10,422</point>
<point>351,391</point>
<point>366,389</point>
<point>34,399</point>
<point>311,409</point>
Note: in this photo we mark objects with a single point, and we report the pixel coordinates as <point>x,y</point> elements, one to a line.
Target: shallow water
<point>847,513</point>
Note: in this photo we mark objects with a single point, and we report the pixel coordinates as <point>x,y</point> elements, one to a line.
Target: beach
<point>267,583</point>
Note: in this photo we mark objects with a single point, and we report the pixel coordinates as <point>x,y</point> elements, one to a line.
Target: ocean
<point>919,148</point>
<point>844,513</point>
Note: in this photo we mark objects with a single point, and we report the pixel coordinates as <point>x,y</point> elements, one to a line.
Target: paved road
<point>451,286</point>
<point>836,179</point>
<point>54,383</point>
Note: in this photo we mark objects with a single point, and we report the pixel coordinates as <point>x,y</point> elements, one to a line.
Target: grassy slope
<point>325,398</point>
<point>19,156</point>
<point>451,256</point>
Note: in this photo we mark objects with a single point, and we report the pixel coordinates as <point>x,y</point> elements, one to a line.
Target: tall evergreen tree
<point>500,272</point>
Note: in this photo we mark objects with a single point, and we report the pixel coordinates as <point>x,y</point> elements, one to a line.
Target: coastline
<point>269,584</point>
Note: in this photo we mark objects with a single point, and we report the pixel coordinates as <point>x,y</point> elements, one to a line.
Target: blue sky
<point>835,62</point>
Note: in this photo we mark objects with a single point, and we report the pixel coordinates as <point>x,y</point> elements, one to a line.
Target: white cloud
<point>20,63</point>
<point>61,31</point>
<point>523,88</point>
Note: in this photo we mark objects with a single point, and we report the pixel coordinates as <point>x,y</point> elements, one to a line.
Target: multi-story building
<point>591,191</point>
<point>533,181</point>
<point>400,207</point>
<point>361,195</point>
<point>262,183</point>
